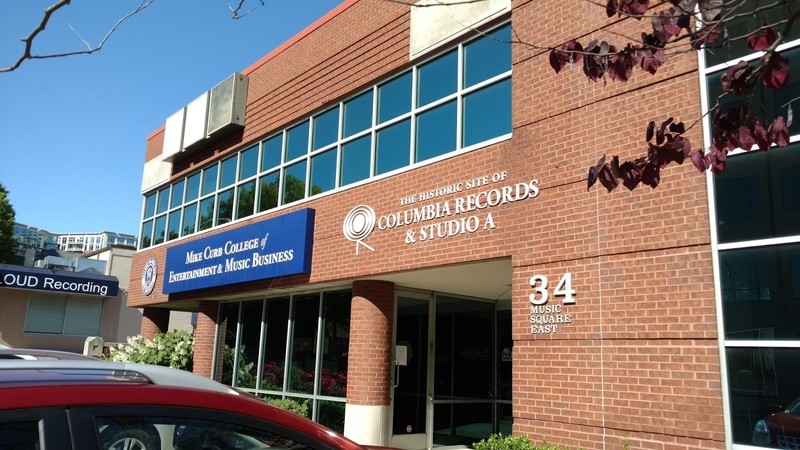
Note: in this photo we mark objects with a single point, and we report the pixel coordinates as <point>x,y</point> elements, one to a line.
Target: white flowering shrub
<point>173,349</point>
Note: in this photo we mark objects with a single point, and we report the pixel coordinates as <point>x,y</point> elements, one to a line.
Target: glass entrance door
<point>455,386</point>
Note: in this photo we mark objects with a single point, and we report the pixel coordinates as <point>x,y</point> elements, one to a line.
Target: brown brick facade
<point>640,359</point>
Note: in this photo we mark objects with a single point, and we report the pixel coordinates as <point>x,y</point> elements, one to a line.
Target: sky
<point>73,130</point>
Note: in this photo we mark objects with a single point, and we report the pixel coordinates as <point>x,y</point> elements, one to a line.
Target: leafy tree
<point>7,220</point>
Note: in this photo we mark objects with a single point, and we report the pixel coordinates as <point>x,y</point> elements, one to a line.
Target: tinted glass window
<point>209,180</point>
<point>20,436</point>
<point>149,205</point>
<point>758,195</point>
<point>436,131</point>
<point>163,200</point>
<point>174,230</point>
<point>147,234</point>
<point>323,172</point>
<point>487,113</point>
<point>268,191</point>
<point>206,214</point>
<point>394,97</point>
<point>294,182</point>
<point>304,343</point>
<point>297,141</point>
<point>438,78</point>
<point>336,325</point>
<point>277,317</point>
<point>358,114</point>
<point>392,147</point>
<point>249,165</point>
<point>246,199</point>
<point>487,56</point>
<point>189,219</point>
<point>326,128</point>
<point>160,230</point>
<point>225,207</point>
<point>271,156</point>
<point>355,160</point>
<point>192,187</point>
<point>177,194</point>
<point>228,174</point>
<point>252,313</point>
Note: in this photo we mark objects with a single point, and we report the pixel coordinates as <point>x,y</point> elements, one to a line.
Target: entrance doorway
<point>452,380</point>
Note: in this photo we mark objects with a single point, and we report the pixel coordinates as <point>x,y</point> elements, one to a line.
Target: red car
<point>780,430</point>
<point>98,405</point>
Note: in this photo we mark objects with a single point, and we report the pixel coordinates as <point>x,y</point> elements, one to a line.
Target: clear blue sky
<point>73,130</point>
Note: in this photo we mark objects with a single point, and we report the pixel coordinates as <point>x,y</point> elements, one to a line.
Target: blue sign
<point>62,281</point>
<point>267,249</point>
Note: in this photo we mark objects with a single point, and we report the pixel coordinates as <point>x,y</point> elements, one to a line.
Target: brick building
<point>387,217</point>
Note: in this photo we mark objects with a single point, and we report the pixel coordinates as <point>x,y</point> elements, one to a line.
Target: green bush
<point>500,442</point>
<point>172,349</point>
<point>294,406</point>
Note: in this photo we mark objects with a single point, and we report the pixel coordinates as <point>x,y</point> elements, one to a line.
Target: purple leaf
<point>761,40</point>
<point>776,74</point>
<point>594,172</point>
<point>699,160</point>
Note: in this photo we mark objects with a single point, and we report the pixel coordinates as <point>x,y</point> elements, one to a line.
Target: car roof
<point>21,372</point>
<point>30,353</point>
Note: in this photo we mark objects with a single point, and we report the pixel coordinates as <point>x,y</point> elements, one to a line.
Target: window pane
<point>487,113</point>
<point>225,207</point>
<point>764,381</point>
<point>192,187</point>
<point>45,313</point>
<point>336,325</point>
<point>160,230</point>
<point>268,196</point>
<point>436,131</point>
<point>209,180</point>
<point>248,348</point>
<point>394,98</point>
<point>206,214</point>
<point>246,199</point>
<point>761,292</point>
<point>228,175</point>
<point>174,230</point>
<point>355,160</point>
<point>147,234</point>
<point>487,56</point>
<point>149,206</point>
<point>277,318</point>
<point>163,200</point>
<point>331,415</point>
<point>20,435</point>
<point>767,103</point>
<point>727,49</point>
<point>326,128</point>
<point>189,219</point>
<point>83,316</point>
<point>272,152</point>
<point>323,172</point>
<point>438,78</point>
<point>228,321</point>
<point>249,163</point>
<point>304,343</point>
<point>177,194</point>
<point>358,114</point>
<point>297,141</point>
<point>294,183</point>
<point>758,195</point>
<point>392,147</point>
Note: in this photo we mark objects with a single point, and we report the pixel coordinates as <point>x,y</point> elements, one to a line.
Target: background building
<point>387,217</point>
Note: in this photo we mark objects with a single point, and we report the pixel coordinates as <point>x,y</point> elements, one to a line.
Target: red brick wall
<point>369,363</point>
<point>203,358</point>
<point>640,359</point>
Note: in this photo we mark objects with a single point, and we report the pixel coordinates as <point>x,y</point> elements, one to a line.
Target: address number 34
<point>541,291</point>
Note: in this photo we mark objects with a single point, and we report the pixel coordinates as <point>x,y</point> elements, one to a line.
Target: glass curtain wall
<point>757,241</point>
<point>293,347</point>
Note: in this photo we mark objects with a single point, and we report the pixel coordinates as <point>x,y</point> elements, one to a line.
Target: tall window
<point>757,241</point>
<point>291,347</point>
<point>456,101</point>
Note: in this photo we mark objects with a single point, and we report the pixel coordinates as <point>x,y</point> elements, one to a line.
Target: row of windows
<point>63,315</point>
<point>757,207</point>
<point>456,101</point>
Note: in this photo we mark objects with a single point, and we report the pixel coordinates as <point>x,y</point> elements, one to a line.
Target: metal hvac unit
<point>214,114</point>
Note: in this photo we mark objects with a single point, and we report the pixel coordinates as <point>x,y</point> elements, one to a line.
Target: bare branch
<point>235,14</point>
<point>48,12</point>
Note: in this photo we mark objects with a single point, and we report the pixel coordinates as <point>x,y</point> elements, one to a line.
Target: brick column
<point>154,321</point>
<point>204,339</point>
<point>369,362</point>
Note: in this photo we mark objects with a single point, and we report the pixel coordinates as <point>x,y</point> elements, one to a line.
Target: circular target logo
<point>358,224</point>
<point>149,275</point>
